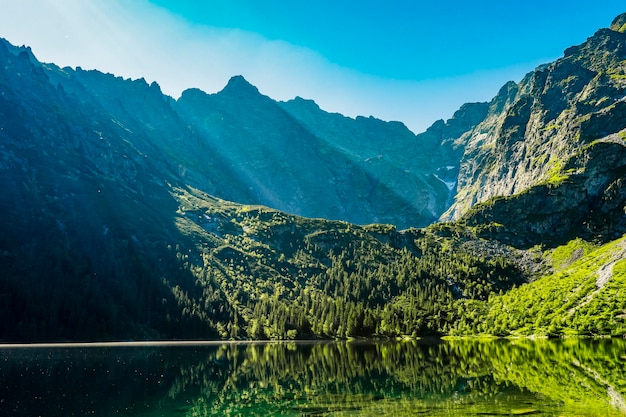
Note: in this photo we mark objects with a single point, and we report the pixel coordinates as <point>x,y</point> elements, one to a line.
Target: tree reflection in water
<point>459,377</point>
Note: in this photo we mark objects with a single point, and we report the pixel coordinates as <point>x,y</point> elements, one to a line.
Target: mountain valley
<point>131,215</point>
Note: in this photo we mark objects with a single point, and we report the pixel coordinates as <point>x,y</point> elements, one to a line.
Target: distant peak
<point>619,23</point>
<point>305,103</point>
<point>238,80</point>
<point>238,85</point>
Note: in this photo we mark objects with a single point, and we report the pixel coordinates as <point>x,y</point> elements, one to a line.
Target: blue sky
<point>413,61</point>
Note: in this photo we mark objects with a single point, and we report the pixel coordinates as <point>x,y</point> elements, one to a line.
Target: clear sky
<point>413,61</point>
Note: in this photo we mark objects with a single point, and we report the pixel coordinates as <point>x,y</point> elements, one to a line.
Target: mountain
<point>545,130</point>
<point>84,245</point>
<point>243,146</point>
<point>420,169</point>
<point>297,158</point>
<point>107,232</point>
<point>131,215</point>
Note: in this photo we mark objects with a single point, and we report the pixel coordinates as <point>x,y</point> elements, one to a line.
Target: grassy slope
<point>583,296</point>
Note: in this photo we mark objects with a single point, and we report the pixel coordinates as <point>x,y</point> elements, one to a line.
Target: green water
<point>409,378</point>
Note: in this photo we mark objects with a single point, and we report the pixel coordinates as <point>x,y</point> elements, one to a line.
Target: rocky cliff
<point>535,130</point>
<point>293,166</point>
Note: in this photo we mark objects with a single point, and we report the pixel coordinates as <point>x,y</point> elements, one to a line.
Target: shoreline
<point>137,343</point>
<point>157,343</point>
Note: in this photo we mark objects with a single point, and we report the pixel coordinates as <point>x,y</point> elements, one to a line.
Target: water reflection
<point>499,377</point>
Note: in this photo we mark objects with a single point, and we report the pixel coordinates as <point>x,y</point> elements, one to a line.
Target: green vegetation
<point>556,175</point>
<point>565,255</point>
<point>554,126</point>
<point>288,277</point>
<point>582,297</point>
<point>249,272</point>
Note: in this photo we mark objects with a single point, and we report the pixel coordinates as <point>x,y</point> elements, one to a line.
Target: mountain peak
<point>22,51</point>
<point>304,103</point>
<point>619,23</point>
<point>239,86</point>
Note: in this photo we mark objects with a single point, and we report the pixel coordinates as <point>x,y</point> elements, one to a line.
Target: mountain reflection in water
<point>573,377</point>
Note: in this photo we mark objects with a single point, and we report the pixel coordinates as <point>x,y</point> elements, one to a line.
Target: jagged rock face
<point>589,203</point>
<point>242,146</point>
<point>444,143</point>
<point>399,164</point>
<point>533,128</point>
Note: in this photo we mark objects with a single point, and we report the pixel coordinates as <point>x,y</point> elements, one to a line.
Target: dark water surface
<point>409,378</point>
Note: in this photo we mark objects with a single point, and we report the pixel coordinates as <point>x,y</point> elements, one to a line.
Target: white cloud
<point>136,39</point>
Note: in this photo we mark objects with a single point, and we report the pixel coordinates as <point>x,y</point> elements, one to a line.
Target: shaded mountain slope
<point>280,162</point>
<point>243,146</point>
<point>83,240</point>
<point>354,170</point>
<point>585,199</point>
<point>421,169</point>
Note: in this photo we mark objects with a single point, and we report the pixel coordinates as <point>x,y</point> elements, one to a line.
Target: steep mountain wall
<point>422,169</point>
<point>535,127</point>
<point>295,157</point>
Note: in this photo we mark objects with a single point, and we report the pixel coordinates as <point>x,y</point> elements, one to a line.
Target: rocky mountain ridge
<point>243,146</point>
<point>536,128</point>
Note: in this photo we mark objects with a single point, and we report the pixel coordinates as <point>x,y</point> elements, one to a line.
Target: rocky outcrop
<point>589,202</point>
<point>619,23</point>
<point>534,128</point>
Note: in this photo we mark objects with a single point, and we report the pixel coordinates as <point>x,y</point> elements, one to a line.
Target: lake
<point>572,377</point>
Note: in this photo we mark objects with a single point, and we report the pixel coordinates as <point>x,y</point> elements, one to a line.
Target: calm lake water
<point>409,378</point>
